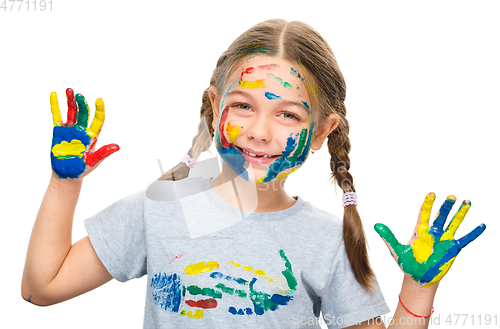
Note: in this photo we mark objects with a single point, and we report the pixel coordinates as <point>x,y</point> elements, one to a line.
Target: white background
<point>422,101</point>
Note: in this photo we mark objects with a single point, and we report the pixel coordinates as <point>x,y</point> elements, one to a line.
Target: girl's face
<point>266,122</point>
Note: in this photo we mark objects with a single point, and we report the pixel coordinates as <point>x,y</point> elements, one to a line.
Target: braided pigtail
<point>201,142</point>
<point>339,146</point>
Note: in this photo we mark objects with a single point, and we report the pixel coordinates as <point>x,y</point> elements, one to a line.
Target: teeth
<point>254,155</point>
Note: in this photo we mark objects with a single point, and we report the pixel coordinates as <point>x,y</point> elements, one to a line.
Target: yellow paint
<point>258,272</point>
<point>75,148</point>
<point>233,131</point>
<point>190,314</point>
<point>287,172</point>
<point>198,314</point>
<point>444,269</point>
<point>201,267</point>
<point>455,223</point>
<point>252,84</point>
<point>422,246</point>
<point>54,107</point>
<point>95,128</point>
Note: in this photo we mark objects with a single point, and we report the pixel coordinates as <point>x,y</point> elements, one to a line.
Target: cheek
<point>228,128</point>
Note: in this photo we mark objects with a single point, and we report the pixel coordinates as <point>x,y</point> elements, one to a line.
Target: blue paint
<point>444,211</point>
<point>306,105</point>
<point>167,291</point>
<point>219,275</point>
<point>232,310</point>
<point>272,96</point>
<point>29,299</point>
<point>71,167</point>
<point>296,74</point>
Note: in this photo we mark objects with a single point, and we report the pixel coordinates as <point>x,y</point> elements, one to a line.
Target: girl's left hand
<point>431,251</point>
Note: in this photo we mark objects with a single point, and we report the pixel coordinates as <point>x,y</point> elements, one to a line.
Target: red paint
<point>176,257</point>
<point>222,121</point>
<point>71,107</point>
<point>269,67</point>
<point>247,71</point>
<point>202,303</point>
<point>94,158</point>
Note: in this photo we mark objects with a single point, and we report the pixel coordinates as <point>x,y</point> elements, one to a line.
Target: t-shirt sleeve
<point>345,302</point>
<point>117,235</point>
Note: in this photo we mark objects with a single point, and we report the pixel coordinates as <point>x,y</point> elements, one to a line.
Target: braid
<point>201,142</point>
<point>353,233</point>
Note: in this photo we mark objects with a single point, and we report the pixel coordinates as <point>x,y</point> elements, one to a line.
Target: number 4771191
<point>26,5</point>
<point>472,319</point>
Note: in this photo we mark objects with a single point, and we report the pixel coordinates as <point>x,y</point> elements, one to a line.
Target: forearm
<point>50,239</point>
<point>417,300</point>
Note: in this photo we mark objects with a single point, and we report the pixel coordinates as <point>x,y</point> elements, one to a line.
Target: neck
<point>248,196</point>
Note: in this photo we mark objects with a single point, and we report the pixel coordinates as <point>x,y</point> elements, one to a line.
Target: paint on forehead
<point>272,96</point>
<point>269,67</point>
<point>296,74</point>
<point>283,83</point>
<point>244,84</point>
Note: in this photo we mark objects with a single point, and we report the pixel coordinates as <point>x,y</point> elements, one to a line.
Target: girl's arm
<point>55,270</point>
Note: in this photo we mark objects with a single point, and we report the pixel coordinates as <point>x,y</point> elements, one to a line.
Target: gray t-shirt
<point>210,265</point>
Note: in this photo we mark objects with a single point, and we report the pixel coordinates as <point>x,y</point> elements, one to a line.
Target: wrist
<point>65,182</point>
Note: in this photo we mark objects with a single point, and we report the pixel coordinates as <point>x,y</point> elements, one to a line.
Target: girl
<point>236,250</point>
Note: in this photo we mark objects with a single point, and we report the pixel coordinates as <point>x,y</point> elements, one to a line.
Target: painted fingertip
<point>53,97</point>
<point>466,203</point>
<point>99,102</point>
<point>431,195</point>
<point>69,92</point>
<point>451,197</point>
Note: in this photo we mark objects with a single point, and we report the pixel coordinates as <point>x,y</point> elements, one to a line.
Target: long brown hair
<point>299,43</point>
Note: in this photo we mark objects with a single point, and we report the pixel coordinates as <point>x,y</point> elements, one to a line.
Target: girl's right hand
<point>73,143</point>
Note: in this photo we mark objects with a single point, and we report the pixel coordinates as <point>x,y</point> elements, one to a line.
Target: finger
<point>83,111</point>
<point>95,127</point>
<point>54,107</point>
<point>425,211</point>
<point>389,238</point>
<point>456,221</point>
<point>444,211</point>
<point>71,107</point>
<point>92,159</point>
<point>462,242</point>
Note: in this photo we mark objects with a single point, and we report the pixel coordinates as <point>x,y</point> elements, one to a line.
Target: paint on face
<point>433,250</point>
<point>171,295</point>
<point>285,84</point>
<point>227,132</point>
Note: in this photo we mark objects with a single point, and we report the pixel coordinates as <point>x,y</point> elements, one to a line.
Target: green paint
<point>195,290</point>
<point>288,274</point>
<point>405,257</point>
<point>283,83</point>
<point>231,291</point>
<point>83,112</point>
<point>300,147</point>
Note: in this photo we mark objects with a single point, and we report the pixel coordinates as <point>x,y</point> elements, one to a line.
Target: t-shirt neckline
<point>274,215</point>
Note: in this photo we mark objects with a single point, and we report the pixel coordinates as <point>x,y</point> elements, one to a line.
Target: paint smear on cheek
<point>233,131</point>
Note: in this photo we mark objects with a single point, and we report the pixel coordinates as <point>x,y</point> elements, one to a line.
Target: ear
<point>213,94</point>
<point>328,124</point>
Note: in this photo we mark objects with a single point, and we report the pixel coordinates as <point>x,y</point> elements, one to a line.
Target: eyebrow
<point>303,105</point>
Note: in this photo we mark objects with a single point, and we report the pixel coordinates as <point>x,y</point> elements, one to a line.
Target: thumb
<point>388,237</point>
<point>92,159</point>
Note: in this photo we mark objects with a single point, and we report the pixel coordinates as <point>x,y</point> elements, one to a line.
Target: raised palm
<point>431,251</point>
<point>73,144</point>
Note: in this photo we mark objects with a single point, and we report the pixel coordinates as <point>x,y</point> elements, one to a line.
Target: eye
<point>243,106</point>
<point>290,116</point>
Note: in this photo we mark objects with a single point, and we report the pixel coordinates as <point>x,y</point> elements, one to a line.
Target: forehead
<point>270,76</point>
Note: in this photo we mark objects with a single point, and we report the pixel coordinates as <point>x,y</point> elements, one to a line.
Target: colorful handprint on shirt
<point>171,295</point>
<point>72,142</point>
<point>431,251</point>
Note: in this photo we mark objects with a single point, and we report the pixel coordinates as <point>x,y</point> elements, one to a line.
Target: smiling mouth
<point>262,155</point>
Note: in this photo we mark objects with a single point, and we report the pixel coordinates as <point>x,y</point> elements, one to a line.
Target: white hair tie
<point>350,198</point>
<point>188,161</point>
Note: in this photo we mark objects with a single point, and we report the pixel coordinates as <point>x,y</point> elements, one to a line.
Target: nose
<point>259,129</point>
